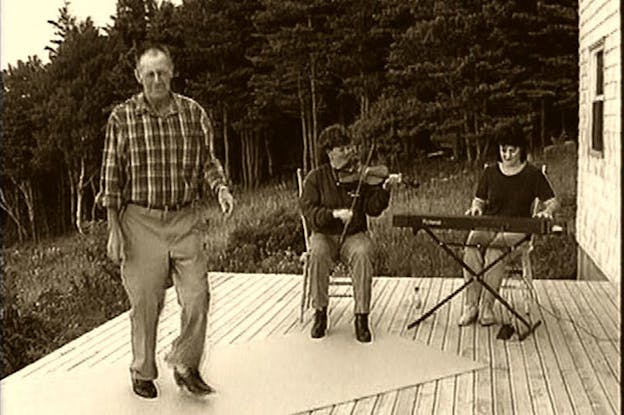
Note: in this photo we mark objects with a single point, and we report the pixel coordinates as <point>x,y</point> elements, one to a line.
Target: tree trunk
<point>310,138</point>
<point>475,125</point>
<point>244,157</point>
<point>226,143</point>
<point>364,105</point>
<point>269,156</point>
<point>25,187</point>
<point>304,133</point>
<point>79,196</point>
<point>72,195</point>
<point>60,220</point>
<point>543,122</point>
<point>94,204</point>
<point>12,209</point>
<point>466,139</point>
<point>257,158</point>
<point>314,110</point>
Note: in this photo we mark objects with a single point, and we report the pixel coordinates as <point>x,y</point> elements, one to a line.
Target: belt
<point>164,208</point>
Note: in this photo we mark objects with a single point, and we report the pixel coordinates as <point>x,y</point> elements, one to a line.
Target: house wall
<point>599,198</point>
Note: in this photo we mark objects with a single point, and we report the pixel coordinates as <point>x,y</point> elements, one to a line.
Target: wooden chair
<point>339,280</point>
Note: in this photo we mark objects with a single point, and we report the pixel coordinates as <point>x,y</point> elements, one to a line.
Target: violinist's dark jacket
<point>323,192</point>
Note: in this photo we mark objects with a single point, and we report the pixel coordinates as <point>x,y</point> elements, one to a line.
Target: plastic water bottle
<point>416,300</point>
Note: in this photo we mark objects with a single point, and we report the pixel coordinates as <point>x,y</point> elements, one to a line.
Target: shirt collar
<point>142,107</point>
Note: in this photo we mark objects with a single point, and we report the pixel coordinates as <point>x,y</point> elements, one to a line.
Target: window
<point>597,100</point>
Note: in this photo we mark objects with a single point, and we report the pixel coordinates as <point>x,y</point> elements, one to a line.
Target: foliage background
<point>55,290</point>
<point>414,77</point>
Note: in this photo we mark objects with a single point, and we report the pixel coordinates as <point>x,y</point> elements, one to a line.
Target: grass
<point>58,289</point>
<point>446,187</point>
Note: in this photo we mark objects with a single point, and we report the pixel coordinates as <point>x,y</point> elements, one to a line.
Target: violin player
<point>335,207</point>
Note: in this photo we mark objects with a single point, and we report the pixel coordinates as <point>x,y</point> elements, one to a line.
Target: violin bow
<point>357,192</point>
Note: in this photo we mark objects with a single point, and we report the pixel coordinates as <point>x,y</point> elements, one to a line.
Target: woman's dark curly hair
<point>513,134</point>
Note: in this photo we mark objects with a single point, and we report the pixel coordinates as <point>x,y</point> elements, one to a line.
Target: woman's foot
<point>468,316</point>
<point>486,316</point>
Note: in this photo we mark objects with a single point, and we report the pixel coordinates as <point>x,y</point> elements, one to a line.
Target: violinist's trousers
<point>160,245</point>
<point>356,252</point>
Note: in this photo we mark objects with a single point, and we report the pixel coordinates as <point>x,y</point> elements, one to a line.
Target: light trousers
<point>161,246</point>
<point>356,252</point>
<point>493,245</point>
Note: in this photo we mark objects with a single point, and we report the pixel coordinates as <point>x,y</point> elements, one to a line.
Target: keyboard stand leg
<point>476,277</point>
<point>440,304</point>
<point>530,327</point>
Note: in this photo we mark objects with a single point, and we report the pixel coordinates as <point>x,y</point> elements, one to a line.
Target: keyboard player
<point>506,188</point>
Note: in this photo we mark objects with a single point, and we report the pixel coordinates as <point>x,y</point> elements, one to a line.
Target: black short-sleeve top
<point>512,195</point>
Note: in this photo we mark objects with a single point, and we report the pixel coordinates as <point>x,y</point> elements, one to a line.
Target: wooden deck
<point>570,365</point>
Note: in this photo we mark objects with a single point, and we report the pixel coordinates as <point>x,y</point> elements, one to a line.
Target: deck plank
<point>607,336</point>
<point>501,380</point>
<point>381,315</point>
<point>422,332</point>
<point>551,370</point>
<point>446,388</point>
<point>406,397</point>
<point>396,294</point>
<point>540,398</point>
<point>601,358</point>
<point>558,369</point>
<point>592,368</point>
<point>568,356</point>
<point>599,299</point>
<point>465,402</point>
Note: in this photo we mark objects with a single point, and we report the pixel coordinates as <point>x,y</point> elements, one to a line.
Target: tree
<point>359,49</point>
<point>547,46</point>
<point>19,153</point>
<point>452,59</point>
<point>126,36</point>
<point>78,73</point>
<point>217,37</point>
<point>292,63</point>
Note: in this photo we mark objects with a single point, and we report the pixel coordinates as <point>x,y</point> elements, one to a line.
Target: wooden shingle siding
<point>599,196</point>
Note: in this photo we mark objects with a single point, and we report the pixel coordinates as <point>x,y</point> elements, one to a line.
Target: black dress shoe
<point>320,323</point>
<point>144,388</point>
<point>191,380</point>
<point>362,332</point>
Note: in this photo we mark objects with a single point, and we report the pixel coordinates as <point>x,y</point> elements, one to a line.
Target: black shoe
<point>320,323</point>
<point>362,332</point>
<point>191,380</point>
<point>144,388</point>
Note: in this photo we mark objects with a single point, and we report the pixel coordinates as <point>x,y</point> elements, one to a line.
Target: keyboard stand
<point>476,277</point>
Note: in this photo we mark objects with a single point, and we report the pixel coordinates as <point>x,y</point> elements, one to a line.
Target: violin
<point>355,172</point>
<point>372,175</point>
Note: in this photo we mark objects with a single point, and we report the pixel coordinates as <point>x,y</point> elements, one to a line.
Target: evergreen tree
<point>19,169</point>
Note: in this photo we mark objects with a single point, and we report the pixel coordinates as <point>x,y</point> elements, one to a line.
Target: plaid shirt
<point>158,161</point>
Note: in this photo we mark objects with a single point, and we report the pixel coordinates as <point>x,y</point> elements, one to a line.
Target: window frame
<point>596,99</point>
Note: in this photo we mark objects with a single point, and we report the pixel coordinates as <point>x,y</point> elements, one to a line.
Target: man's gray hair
<point>154,50</point>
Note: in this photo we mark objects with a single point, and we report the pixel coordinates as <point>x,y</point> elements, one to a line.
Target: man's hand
<point>226,200</point>
<point>344,215</point>
<point>115,245</point>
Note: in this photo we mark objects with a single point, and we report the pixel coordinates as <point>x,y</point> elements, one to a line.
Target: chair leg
<point>305,291</point>
<point>527,278</point>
